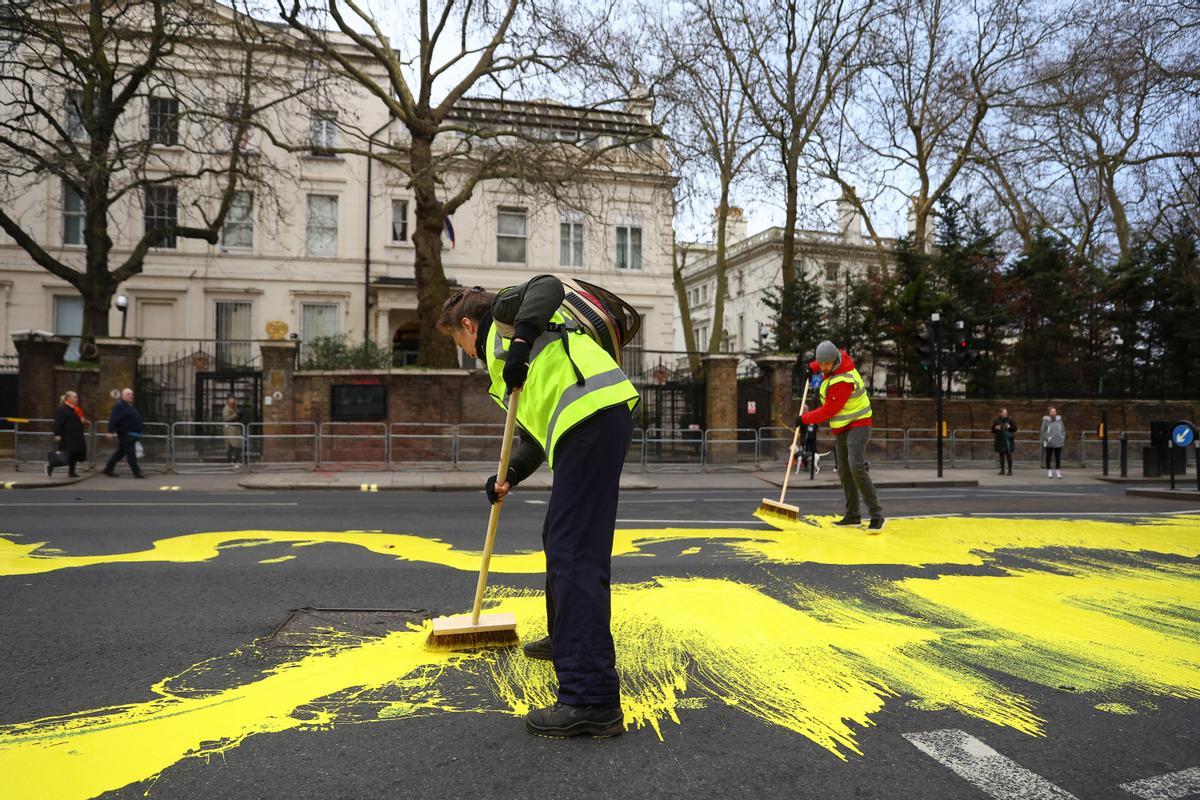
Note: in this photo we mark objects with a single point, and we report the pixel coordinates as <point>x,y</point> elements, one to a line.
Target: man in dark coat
<point>68,433</point>
<point>125,425</point>
<point>1004,431</point>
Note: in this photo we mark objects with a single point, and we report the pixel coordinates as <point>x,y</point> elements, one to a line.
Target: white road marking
<point>75,505</point>
<point>538,502</point>
<point>1172,786</point>
<point>972,760</point>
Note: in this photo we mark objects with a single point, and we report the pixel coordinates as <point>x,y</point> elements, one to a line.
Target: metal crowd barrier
<point>157,445</point>
<point>282,445</point>
<point>205,447</point>
<point>674,450</point>
<point>352,444</point>
<point>729,449</point>
<point>32,441</point>
<point>423,444</point>
<point>478,444</point>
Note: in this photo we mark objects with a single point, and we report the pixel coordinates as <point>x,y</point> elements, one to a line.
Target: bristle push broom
<point>781,508</point>
<point>475,630</point>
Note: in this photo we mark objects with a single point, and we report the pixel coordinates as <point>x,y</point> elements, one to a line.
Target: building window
<point>164,120</point>
<point>322,225</point>
<point>73,115</point>
<point>399,220</point>
<point>740,278</point>
<point>73,216</point>
<point>235,114</point>
<point>233,333</point>
<point>629,247</point>
<point>831,270</point>
<point>570,249</point>
<point>238,231</point>
<point>873,273</point>
<point>68,321</point>
<point>511,232</point>
<point>323,133</point>
<point>161,211</point>
<point>318,321</point>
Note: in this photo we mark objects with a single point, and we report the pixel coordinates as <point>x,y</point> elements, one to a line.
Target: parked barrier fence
<point>206,447</point>
<point>429,445</point>
<point>198,447</point>
<point>342,445</point>
<point>282,445</point>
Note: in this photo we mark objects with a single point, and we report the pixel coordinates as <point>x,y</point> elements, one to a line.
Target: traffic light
<point>925,349</point>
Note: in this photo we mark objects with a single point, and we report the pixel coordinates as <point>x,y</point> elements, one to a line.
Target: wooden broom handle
<point>795,438</point>
<point>510,424</point>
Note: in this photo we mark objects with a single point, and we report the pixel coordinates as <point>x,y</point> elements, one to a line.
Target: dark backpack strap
<point>564,332</point>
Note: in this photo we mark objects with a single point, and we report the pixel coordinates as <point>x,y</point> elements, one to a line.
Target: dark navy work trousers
<point>578,539</point>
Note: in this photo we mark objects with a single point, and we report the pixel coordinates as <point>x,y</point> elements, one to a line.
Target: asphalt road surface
<point>101,640</point>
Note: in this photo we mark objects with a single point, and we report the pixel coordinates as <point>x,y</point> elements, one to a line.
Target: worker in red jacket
<point>847,408</point>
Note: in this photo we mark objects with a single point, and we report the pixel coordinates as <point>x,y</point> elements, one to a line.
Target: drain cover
<point>321,627</point>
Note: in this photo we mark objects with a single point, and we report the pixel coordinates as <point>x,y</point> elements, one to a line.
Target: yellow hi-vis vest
<point>857,407</point>
<point>552,402</point>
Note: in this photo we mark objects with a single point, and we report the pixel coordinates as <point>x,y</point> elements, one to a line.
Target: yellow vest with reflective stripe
<point>552,402</point>
<point>857,407</point>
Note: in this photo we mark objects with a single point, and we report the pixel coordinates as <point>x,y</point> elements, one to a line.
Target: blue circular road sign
<point>1183,434</point>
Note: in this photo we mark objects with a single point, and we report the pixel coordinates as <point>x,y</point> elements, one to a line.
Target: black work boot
<point>849,521</point>
<point>539,648</point>
<point>561,720</point>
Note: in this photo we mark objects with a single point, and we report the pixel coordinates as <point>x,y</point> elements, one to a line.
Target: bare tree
<point>793,60</point>
<point>712,130</point>
<point>120,105</point>
<point>450,143</point>
<point>938,68</point>
<point>1106,134</point>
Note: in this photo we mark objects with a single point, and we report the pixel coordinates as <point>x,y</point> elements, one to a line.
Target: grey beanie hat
<point>827,352</point>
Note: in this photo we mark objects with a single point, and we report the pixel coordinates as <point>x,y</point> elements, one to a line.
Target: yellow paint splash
<point>910,542</point>
<point>85,754</point>
<point>278,560</point>
<point>805,660</point>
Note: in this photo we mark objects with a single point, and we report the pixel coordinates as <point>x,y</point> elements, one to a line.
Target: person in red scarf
<point>69,422</point>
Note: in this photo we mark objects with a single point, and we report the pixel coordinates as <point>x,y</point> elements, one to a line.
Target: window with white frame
<point>511,235</point>
<point>322,225</point>
<point>629,246</point>
<point>238,231</point>
<point>68,321</point>
<point>164,120</point>
<point>323,132</point>
<point>232,326</point>
<point>73,216</point>
<point>161,210</point>
<point>399,220</point>
<point>570,248</point>
<point>318,321</point>
<point>235,114</point>
<point>73,115</point>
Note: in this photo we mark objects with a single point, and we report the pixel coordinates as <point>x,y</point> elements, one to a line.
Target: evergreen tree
<point>797,313</point>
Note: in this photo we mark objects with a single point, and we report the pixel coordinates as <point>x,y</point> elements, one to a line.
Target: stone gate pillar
<point>720,402</point>
<point>37,356</point>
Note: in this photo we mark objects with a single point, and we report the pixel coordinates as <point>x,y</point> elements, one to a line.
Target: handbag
<point>58,458</point>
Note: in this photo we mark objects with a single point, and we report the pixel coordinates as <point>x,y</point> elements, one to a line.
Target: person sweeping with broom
<point>845,405</point>
<point>575,412</point>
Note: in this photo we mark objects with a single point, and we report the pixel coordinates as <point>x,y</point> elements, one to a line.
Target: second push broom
<point>781,508</point>
<point>475,630</point>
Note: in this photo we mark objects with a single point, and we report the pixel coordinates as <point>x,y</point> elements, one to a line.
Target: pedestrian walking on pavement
<point>1054,436</point>
<point>845,405</point>
<point>125,425</point>
<point>1004,430</point>
<point>69,422</point>
<point>232,417</point>
<point>574,413</point>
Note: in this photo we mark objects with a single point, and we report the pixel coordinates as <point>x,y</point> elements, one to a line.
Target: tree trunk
<point>434,348</point>
<point>788,272</point>
<point>685,312</point>
<point>97,298</point>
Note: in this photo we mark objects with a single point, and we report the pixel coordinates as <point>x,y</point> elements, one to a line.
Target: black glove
<point>516,366</point>
<point>490,489</point>
<point>798,422</point>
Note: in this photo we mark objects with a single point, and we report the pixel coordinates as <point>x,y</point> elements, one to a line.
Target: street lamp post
<point>936,319</point>
<point>123,307</point>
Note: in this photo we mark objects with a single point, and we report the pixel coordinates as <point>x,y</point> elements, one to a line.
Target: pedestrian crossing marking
<point>990,771</point>
<point>369,487</point>
<point>10,485</point>
<point>1172,786</point>
<point>168,488</point>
